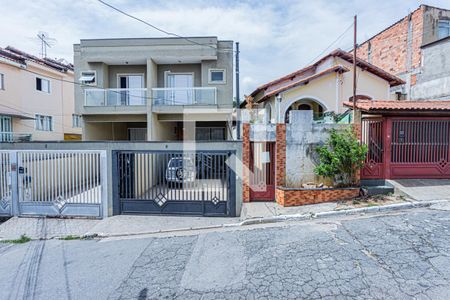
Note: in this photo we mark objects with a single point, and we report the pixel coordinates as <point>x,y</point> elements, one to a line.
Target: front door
<point>131,89</point>
<point>180,88</point>
<point>262,171</point>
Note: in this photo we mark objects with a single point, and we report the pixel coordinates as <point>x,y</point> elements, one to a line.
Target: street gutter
<point>283,218</point>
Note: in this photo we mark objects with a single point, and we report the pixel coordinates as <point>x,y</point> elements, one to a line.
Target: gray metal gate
<point>5,184</point>
<point>52,183</point>
<point>171,182</point>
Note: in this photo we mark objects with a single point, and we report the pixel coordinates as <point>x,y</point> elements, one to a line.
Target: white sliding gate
<point>53,183</point>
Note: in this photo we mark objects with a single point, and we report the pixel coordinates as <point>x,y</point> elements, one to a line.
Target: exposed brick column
<point>280,155</point>
<point>245,162</point>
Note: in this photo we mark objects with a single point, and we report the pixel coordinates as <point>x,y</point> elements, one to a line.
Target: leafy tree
<point>341,157</point>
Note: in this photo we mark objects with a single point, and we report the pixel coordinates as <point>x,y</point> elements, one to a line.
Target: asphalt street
<point>405,255</point>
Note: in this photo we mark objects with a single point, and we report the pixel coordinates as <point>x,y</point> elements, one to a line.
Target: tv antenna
<point>46,41</point>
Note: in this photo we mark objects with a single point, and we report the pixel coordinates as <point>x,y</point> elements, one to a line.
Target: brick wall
<point>246,162</point>
<point>280,155</point>
<point>295,197</point>
<point>389,49</point>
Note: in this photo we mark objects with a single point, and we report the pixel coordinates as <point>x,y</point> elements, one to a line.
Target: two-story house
<point>415,48</point>
<point>155,89</point>
<point>36,98</point>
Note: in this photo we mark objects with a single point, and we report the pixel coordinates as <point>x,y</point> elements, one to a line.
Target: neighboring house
<point>322,87</point>
<point>416,49</point>
<point>36,98</point>
<point>155,89</point>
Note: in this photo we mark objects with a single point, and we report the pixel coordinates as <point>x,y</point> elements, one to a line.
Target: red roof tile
<point>19,56</point>
<point>289,79</point>
<point>400,105</point>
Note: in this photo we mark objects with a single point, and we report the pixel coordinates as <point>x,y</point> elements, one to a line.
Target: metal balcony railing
<point>11,137</point>
<point>115,97</point>
<point>185,96</point>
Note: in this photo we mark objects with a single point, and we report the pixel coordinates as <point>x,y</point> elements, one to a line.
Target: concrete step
<point>378,190</point>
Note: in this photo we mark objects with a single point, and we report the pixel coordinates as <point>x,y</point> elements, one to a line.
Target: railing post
<point>104,189</point>
<point>14,183</point>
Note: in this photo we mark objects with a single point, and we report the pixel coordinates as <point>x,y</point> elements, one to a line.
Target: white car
<point>180,170</point>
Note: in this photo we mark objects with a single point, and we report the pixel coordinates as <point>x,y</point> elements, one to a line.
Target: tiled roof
<point>21,57</point>
<point>300,74</point>
<point>400,105</point>
<point>337,68</point>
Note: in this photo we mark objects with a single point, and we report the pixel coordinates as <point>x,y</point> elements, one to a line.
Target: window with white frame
<point>43,123</point>
<point>2,81</point>
<point>443,29</point>
<point>217,76</point>
<point>43,85</point>
<point>76,121</point>
<point>88,77</point>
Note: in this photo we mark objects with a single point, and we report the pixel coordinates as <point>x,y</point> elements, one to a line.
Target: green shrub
<point>341,157</point>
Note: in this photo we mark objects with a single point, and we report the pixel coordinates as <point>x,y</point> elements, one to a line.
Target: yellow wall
<point>21,97</point>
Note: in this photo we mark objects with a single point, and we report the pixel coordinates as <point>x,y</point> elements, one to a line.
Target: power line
<point>154,26</point>
<point>330,45</point>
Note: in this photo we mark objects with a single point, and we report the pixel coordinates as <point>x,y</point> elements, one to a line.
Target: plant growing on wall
<point>341,157</point>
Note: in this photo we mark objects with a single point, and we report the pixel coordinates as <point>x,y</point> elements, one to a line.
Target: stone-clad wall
<point>295,197</point>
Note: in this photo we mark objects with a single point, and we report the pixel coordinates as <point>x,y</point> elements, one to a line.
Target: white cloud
<point>276,37</point>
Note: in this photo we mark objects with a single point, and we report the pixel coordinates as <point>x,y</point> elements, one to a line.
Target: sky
<point>276,36</point>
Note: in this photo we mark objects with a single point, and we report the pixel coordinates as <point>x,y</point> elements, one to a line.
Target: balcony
<point>115,97</point>
<point>197,96</point>
<point>11,137</point>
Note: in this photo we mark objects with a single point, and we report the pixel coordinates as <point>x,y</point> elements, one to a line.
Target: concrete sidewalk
<point>422,189</point>
<point>125,225</point>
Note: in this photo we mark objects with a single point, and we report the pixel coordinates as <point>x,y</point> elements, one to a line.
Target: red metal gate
<point>262,175</point>
<point>372,135</point>
<point>420,148</point>
<point>406,147</point>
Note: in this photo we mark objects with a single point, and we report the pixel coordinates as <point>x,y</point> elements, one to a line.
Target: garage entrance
<point>406,148</point>
<point>169,182</point>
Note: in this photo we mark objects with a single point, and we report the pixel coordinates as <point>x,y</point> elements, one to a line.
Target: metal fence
<point>5,184</point>
<point>53,183</point>
<point>169,182</point>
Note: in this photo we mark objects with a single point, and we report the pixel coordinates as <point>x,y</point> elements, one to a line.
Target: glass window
<point>43,85</point>
<point>443,28</point>
<point>43,123</point>
<point>88,77</point>
<point>2,81</point>
<point>76,121</point>
<point>216,76</point>
<point>210,133</point>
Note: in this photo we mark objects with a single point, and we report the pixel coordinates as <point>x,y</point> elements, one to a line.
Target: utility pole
<point>354,65</point>
<point>238,101</point>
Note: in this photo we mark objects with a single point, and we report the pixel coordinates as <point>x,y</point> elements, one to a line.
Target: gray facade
<point>110,106</point>
<point>433,82</point>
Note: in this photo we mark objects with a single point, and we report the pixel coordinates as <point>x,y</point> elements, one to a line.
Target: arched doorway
<point>306,104</point>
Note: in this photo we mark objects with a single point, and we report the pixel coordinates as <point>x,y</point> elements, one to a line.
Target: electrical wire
<point>330,45</point>
<point>154,26</point>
